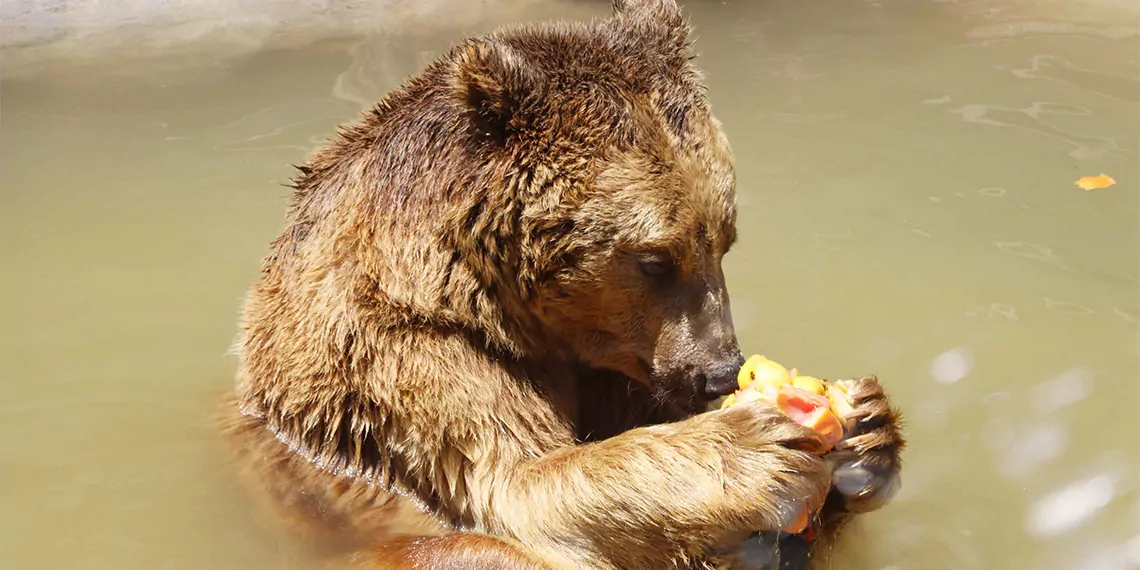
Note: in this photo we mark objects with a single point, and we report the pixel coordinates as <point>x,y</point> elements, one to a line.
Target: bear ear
<point>660,20</point>
<point>495,83</point>
<point>658,10</point>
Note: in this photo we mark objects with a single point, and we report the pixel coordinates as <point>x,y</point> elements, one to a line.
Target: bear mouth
<point>675,393</point>
<point>690,404</point>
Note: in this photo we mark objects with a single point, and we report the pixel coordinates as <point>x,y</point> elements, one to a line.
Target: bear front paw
<point>866,462</point>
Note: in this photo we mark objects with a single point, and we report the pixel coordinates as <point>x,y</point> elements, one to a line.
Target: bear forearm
<point>676,491</point>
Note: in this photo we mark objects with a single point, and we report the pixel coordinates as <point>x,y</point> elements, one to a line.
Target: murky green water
<point>907,209</point>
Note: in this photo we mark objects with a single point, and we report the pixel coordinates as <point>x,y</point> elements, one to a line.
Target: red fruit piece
<point>810,410</point>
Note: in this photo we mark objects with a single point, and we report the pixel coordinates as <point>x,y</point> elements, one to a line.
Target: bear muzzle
<point>720,378</point>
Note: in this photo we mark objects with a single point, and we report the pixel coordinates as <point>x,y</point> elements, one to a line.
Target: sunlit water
<point>907,209</point>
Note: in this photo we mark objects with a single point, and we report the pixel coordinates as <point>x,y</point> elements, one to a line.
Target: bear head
<point>618,201</point>
<point>558,192</point>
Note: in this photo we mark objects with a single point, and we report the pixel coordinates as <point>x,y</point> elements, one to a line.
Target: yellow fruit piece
<point>749,396</point>
<point>745,397</point>
<point>771,373</point>
<point>748,372</point>
<point>809,383</point>
<point>840,405</point>
<point>759,370</point>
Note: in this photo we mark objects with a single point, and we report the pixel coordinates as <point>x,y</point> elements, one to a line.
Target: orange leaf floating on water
<point>1095,182</point>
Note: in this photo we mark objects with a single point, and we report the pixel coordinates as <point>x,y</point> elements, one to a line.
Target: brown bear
<point>489,332</point>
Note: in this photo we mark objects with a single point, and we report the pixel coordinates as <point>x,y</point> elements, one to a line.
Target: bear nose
<point>720,379</point>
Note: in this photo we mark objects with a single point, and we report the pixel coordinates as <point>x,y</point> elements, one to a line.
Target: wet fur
<point>451,358</point>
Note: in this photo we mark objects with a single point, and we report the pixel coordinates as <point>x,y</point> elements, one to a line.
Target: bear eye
<point>656,267</point>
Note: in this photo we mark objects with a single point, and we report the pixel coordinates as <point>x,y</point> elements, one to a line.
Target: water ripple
<point>1032,119</point>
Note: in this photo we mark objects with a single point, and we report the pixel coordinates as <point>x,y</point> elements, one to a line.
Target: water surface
<point>907,208</point>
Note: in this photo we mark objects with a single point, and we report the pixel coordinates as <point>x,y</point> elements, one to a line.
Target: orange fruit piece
<point>800,524</point>
<point>1095,182</point>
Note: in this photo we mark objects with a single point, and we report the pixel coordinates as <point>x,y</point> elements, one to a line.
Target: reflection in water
<point>1063,391</point>
<point>1023,450</point>
<point>1066,508</point>
<point>906,206</point>
<point>952,366</point>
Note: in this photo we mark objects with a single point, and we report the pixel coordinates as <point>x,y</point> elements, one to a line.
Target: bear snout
<point>720,378</point>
